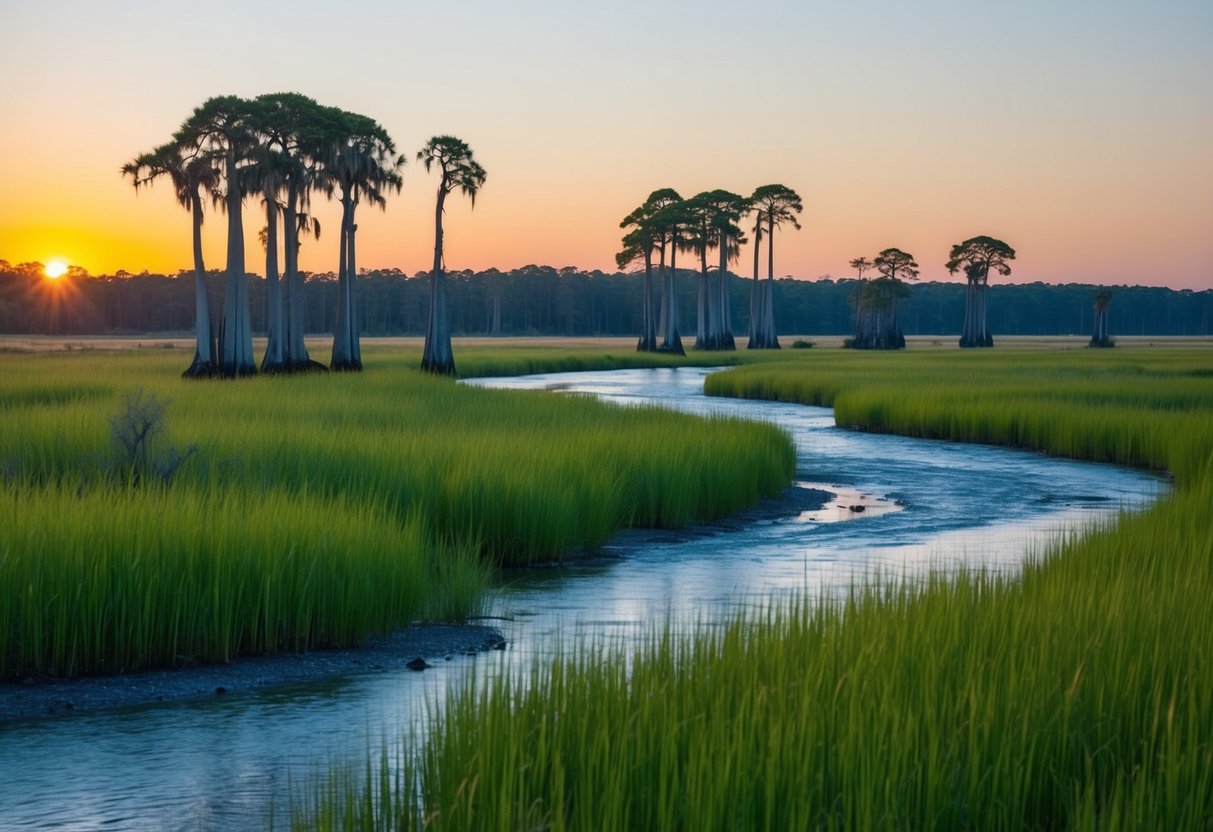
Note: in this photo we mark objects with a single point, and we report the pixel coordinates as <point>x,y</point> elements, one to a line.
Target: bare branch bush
<point>137,430</point>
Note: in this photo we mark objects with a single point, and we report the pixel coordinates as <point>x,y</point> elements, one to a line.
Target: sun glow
<point>55,269</point>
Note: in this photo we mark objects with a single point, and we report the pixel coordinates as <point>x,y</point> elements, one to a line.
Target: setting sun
<point>55,269</point>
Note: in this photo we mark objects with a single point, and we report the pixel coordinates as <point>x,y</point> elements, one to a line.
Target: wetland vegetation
<point>1074,694</point>
<point>317,509</point>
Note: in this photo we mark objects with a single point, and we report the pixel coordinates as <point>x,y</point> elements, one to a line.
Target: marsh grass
<point>1076,694</point>
<point>106,581</point>
<point>317,509</point>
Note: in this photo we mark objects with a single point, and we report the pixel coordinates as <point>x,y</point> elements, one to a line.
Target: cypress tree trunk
<point>203,364</point>
<point>857,343</point>
<point>726,341</point>
<point>648,336</point>
<point>275,352</point>
<point>966,334</point>
<point>665,300</point>
<point>297,357</point>
<point>351,274</point>
<point>765,329</point>
<point>756,294</point>
<point>768,315</point>
<point>897,341</point>
<point>986,340</point>
<point>671,340</point>
<point>701,320</point>
<point>712,338</point>
<point>343,355</point>
<point>236,328</point>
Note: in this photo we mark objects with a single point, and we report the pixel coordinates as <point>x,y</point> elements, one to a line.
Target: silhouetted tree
<point>672,220</point>
<point>725,210</point>
<point>458,169</point>
<point>977,256</point>
<point>699,238</point>
<point>292,128</point>
<point>1099,334</point>
<point>361,164</point>
<point>191,175</point>
<point>638,244</point>
<point>221,127</point>
<point>776,205</point>
<point>860,265</point>
<point>648,233</point>
<point>885,333</point>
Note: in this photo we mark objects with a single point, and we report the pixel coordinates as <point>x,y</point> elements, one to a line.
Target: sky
<point>1079,132</point>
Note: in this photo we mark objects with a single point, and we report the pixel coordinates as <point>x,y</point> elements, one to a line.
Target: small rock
<point>219,691</point>
<point>418,664</point>
<point>447,657</point>
<point>857,508</point>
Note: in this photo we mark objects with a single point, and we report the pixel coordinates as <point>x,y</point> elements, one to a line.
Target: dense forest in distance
<point>541,300</point>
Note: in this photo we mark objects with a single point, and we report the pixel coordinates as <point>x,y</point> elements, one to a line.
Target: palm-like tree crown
<point>778,204</point>
<point>360,158</point>
<point>893,262</point>
<point>978,255</point>
<point>453,158</point>
<point>190,173</point>
<point>861,265</point>
<point>724,210</point>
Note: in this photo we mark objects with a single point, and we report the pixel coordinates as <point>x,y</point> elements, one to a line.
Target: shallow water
<point>228,763</point>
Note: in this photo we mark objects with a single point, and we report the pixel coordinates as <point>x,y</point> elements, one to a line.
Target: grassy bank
<point>315,509</point>
<point>1074,695</point>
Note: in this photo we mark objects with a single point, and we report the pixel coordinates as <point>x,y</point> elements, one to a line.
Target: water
<point>228,763</point>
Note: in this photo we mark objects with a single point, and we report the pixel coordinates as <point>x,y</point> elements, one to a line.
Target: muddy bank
<point>40,697</point>
<point>434,643</point>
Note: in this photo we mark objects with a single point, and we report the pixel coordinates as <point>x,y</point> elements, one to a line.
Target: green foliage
<point>777,205</point>
<point>976,256</point>
<point>335,475</point>
<point>1138,407</point>
<point>453,158</point>
<point>99,580</point>
<point>893,262</point>
<point>1073,695</point>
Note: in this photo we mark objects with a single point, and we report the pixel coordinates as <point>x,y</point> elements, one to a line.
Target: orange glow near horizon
<point>1090,155</point>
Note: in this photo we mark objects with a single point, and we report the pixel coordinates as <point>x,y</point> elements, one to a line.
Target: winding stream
<point>227,763</point>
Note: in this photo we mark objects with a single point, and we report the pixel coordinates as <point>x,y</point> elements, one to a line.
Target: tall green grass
<point>1136,407</point>
<point>1078,694</point>
<point>111,580</point>
<point>339,475</point>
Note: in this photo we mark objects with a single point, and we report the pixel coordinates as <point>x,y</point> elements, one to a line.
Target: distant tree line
<point>541,300</point>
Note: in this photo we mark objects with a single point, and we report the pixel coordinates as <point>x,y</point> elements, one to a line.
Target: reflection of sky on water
<point>224,764</point>
<point>959,504</point>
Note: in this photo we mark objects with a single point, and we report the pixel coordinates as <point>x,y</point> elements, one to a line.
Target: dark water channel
<point>228,763</point>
